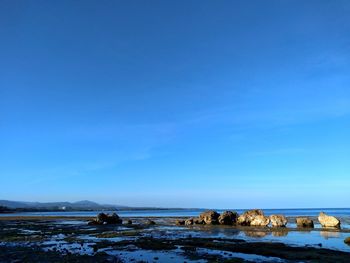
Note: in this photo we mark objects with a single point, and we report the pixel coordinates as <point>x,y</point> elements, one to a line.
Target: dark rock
<point>102,218</point>
<point>304,222</point>
<point>347,240</point>
<point>199,221</point>
<point>113,219</point>
<point>228,218</point>
<point>180,222</point>
<point>129,222</point>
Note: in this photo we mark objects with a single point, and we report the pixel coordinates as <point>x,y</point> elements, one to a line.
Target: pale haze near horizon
<point>230,104</point>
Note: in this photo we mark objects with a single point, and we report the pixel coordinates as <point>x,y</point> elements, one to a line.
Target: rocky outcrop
<point>228,218</point>
<point>304,222</point>
<point>260,220</point>
<point>247,217</point>
<point>129,222</point>
<point>328,221</point>
<point>103,218</point>
<point>209,217</point>
<point>278,220</point>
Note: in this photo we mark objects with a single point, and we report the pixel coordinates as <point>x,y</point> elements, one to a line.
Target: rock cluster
<point>256,218</point>
<point>252,217</point>
<point>103,218</point>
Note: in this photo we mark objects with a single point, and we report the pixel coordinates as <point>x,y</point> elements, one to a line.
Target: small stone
<point>347,240</point>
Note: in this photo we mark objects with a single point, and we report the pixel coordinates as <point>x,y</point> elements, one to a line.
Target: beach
<point>69,238</point>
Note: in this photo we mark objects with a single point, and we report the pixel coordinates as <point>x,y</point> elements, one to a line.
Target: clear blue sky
<point>226,104</point>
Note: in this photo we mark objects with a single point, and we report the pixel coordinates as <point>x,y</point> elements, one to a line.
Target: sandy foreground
<point>62,239</point>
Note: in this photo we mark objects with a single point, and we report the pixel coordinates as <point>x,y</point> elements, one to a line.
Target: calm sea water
<point>339,212</point>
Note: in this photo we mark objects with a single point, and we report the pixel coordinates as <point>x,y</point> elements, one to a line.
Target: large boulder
<point>328,221</point>
<point>228,218</point>
<point>278,220</point>
<point>247,217</point>
<point>260,220</point>
<point>209,217</point>
<point>304,222</point>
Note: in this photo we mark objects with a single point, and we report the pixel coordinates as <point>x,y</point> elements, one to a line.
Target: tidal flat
<point>71,239</point>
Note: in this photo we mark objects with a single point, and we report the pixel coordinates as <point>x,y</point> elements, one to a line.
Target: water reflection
<point>258,234</point>
<point>279,233</point>
<point>219,231</point>
<point>328,234</point>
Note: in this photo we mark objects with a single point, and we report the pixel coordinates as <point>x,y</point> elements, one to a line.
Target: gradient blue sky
<point>225,104</point>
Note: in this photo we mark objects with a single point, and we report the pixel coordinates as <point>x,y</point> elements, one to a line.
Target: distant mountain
<point>80,205</point>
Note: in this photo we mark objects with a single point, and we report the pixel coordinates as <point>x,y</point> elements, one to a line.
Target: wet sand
<point>57,239</point>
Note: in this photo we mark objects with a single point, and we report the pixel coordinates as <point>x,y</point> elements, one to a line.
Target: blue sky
<point>225,104</point>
